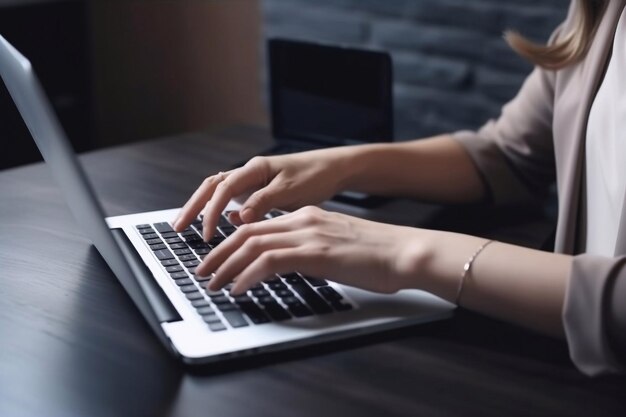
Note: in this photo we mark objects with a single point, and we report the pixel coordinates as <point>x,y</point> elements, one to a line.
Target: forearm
<point>507,282</point>
<point>436,169</point>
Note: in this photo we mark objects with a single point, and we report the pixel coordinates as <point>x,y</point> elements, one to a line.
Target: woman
<point>557,127</point>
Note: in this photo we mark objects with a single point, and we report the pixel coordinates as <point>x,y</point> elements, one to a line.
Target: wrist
<point>358,163</point>
<point>434,261</point>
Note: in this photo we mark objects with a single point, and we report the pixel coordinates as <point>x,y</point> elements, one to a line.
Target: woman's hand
<point>287,182</point>
<point>357,252</point>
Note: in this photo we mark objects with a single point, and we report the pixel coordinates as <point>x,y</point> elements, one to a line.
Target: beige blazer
<point>539,138</point>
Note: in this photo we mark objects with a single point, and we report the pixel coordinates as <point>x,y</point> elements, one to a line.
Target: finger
<point>197,201</point>
<point>252,249</point>
<point>277,261</point>
<point>219,255</point>
<point>238,182</point>
<point>235,218</point>
<point>262,201</point>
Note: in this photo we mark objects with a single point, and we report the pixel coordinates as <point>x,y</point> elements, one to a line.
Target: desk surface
<point>72,343</point>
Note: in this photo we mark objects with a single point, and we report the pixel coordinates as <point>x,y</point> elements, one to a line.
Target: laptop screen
<point>330,95</point>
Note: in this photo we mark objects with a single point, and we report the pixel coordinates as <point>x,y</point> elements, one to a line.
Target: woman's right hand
<point>287,182</point>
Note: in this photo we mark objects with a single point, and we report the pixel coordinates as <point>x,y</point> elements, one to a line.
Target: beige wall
<point>168,66</point>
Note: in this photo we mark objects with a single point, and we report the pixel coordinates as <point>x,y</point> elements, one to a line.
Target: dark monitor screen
<point>328,94</point>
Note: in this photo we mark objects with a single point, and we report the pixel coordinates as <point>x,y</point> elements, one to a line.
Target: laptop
<point>155,265</point>
<point>327,95</point>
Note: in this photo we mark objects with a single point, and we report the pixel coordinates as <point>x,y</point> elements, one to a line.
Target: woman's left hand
<point>365,254</point>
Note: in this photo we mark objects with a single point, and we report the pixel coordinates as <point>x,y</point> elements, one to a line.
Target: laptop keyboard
<point>284,297</point>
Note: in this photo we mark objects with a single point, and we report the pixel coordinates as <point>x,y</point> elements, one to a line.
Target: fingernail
<point>213,286</point>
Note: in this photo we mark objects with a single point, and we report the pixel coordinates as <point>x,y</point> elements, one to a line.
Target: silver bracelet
<point>467,267</point>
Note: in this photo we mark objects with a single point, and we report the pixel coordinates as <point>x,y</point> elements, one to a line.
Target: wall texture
<point>452,68</point>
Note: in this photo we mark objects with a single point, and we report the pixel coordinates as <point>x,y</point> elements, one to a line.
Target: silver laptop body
<point>175,311</point>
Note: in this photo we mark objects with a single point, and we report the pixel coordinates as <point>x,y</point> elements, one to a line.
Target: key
<point>198,244</point>
<point>283,293</point>
<point>178,275</point>
<point>227,307</point>
<point>169,262</point>
<point>277,286</point>
<point>242,298</point>
<point>276,312</point>
<point>158,246</point>
<point>163,254</point>
<point>217,326</point>
<point>156,241</point>
<point>330,294</point>
<point>200,303</point>
<point>253,311</point>
<point>316,282</point>
<point>211,318</point>
<point>174,268</point>
<point>300,310</point>
<point>235,319</point>
<point>205,310</point>
<point>192,263</point>
<point>183,281</point>
<point>220,299</point>
<point>268,299</point>
<point>189,288</point>
<point>259,292</point>
<point>291,300</point>
<point>314,301</point>
<point>293,278</point>
<point>216,240</point>
<point>223,221</point>
<point>339,306</point>
<point>142,226</point>
<point>193,238</point>
<point>193,296</point>
<point>185,258</point>
<point>214,293</point>
<point>228,230</point>
<point>163,227</point>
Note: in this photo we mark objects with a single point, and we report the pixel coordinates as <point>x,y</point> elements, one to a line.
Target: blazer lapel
<point>620,245</point>
<point>570,127</point>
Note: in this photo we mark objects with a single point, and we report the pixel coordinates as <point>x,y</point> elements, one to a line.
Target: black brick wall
<point>452,68</point>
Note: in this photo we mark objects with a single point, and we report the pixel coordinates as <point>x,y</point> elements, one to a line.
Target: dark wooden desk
<point>73,344</point>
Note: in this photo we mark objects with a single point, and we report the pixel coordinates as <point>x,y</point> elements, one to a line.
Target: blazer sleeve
<point>594,314</point>
<point>514,153</point>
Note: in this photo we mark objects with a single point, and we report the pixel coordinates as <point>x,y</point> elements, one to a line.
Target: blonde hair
<point>567,49</point>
